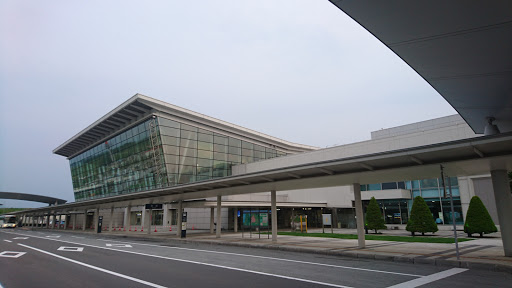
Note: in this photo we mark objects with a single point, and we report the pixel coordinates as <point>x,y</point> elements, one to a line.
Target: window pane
<point>205,146</point>
<point>188,135</point>
<point>247,145</point>
<point>235,142</point>
<point>218,139</point>
<point>204,154</point>
<point>205,137</point>
<point>428,183</point>
<point>204,162</point>
<point>188,127</point>
<point>374,187</point>
<point>220,156</point>
<point>389,185</point>
<point>188,143</point>
<point>220,148</point>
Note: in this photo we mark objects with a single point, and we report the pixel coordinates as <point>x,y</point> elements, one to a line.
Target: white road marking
<point>119,245</point>
<point>430,278</point>
<point>95,268</point>
<point>8,240</point>
<point>12,254</point>
<point>53,236</point>
<point>20,238</point>
<point>189,261</point>
<point>71,249</point>
<point>78,237</point>
<point>270,258</point>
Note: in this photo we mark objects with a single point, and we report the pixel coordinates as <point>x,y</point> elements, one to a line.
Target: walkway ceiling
<point>462,48</point>
<point>467,157</point>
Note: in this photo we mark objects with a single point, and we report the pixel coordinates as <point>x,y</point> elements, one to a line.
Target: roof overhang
<point>461,48</point>
<point>467,157</point>
<point>139,108</point>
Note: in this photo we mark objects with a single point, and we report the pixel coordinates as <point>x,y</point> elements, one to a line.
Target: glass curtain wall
<point>122,164</point>
<point>194,154</point>
<point>169,153</point>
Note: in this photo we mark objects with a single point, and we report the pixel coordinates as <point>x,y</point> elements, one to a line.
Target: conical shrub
<point>421,219</point>
<point>478,219</point>
<point>374,218</point>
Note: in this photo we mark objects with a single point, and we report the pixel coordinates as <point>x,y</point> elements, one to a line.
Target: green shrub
<point>478,219</point>
<point>421,219</point>
<point>374,220</point>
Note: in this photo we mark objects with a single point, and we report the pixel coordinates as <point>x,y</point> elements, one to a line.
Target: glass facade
<point>122,164</point>
<point>159,152</point>
<point>194,154</point>
<point>431,190</point>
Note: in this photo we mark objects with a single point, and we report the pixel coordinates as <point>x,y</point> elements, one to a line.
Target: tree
<point>374,218</point>
<point>478,219</point>
<point>421,219</point>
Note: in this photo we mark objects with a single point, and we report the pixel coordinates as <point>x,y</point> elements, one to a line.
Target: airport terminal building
<point>146,144</point>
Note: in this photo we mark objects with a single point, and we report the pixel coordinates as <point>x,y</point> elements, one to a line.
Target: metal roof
<point>140,107</point>
<point>461,48</point>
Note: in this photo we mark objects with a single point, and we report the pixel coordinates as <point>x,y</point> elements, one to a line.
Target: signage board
<point>154,206</point>
<point>326,218</point>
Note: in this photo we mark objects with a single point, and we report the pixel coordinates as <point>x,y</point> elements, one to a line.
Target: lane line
<point>192,262</point>
<point>8,241</point>
<point>430,278</point>
<point>266,257</point>
<point>95,268</point>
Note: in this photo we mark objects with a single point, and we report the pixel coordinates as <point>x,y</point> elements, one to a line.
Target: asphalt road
<point>64,259</point>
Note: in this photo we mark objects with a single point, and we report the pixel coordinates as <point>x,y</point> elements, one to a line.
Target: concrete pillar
<point>84,221</point>
<point>95,220</point>
<point>500,185</point>
<point>219,215</point>
<point>59,218</point>
<point>235,219</point>
<point>47,219</point>
<point>126,221</point>
<point>180,212</point>
<point>273,208</point>
<point>54,219</point>
<point>74,221</point>
<point>166,221</point>
<point>111,219</point>
<point>212,220</point>
<point>359,215</point>
<point>143,218</point>
<point>33,221</point>
<point>149,218</point>
<point>66,221</point>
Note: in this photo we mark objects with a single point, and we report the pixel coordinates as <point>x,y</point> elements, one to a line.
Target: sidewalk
<point>483,253</point>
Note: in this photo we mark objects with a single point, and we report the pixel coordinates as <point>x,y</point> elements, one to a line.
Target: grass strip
<point>431,239</point>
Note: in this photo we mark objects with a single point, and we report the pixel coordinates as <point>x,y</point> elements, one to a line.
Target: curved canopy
<point>31,197</point>
<point>462,48</point>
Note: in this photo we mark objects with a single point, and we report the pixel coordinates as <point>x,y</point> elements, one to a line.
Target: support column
<point>142,218</point>
<point>65,221</point>
<point>180,212</point>
<point>74,221</point>
<point>235,219</point>
<point>166,221</point>
<point>503,199</point>
<point>47,219</point>
<point>126,221</point>
<point>212,219</point>
<point>33,221</point>
<point>219,221</point>
<point>273,207</point>
<point>95,220</point>
<point>84,221</point>
<point>58,221</point>
<point>359,215</point>
<point>111,219</point>
<point>54,218</point>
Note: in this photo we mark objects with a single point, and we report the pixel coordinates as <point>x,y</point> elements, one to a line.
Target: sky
<point>299,70</point>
